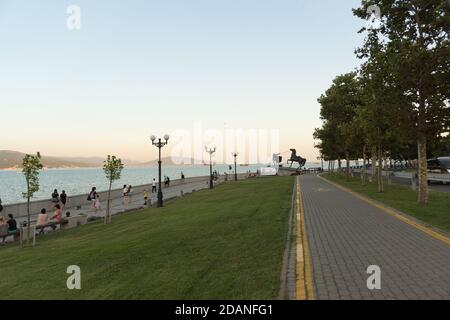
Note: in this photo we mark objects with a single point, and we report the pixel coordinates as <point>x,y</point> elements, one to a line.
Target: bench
<point>52,224</point>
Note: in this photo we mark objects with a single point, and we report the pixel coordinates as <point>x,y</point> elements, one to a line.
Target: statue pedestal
<point>283,171</point>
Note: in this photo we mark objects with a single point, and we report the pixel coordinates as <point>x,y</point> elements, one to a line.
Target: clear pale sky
<point>142,67</point>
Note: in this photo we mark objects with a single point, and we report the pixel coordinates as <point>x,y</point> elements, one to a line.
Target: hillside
<point>13,160</point>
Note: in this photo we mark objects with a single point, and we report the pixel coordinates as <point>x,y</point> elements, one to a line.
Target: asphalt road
<point>433,185</point>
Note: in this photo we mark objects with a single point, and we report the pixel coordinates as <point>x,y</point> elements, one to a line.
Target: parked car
<point>439,165</point>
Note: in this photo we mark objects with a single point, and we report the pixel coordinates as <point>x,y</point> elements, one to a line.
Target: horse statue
<point>295,158</point>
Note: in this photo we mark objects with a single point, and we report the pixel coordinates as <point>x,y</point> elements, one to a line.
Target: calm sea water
<point>80,181</point>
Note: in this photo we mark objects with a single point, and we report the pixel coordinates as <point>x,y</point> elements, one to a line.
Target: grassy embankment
<point>222,244</point>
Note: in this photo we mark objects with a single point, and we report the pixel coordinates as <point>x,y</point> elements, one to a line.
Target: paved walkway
<point>137,201</point>
<point>346,235</point>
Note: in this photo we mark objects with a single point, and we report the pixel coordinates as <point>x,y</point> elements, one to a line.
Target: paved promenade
<point>346,235</point>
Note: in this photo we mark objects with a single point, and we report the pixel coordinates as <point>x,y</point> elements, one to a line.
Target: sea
<point>81,180</point>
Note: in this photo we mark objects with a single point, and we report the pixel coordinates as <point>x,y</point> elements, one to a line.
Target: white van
<point>268,171</point>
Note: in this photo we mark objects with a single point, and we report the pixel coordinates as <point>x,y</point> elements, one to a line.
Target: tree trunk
<point>380,170</point>
<point>374,164</point>
<point>363,171</point>
<point>28,212</point>
<point>108,205</point>
<point>347,159</point>
<point>423,176</point>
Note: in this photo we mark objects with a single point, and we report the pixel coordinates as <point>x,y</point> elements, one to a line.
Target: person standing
<point>63,198</point>
<point>124,194</point>
<point>55,197</point>
<point>92,197</point>
<point>182,177</point>
<point>130,194</point>
<point>154,186</point>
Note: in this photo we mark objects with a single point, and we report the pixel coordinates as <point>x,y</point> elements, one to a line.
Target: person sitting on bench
<point>57,216</point>
<point>12,224</point>
<point>42,219</point>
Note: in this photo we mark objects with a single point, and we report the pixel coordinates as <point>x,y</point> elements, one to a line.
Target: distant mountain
<point>168,161</point>
<point>13,160</point>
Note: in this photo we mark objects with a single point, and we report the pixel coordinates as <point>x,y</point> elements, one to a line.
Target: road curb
<point>304,281</point>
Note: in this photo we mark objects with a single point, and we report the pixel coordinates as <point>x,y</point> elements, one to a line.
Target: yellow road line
<point>393,213</point>
<point>304,283</point>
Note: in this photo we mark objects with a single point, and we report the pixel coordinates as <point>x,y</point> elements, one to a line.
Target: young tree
<point>30,167</point>
<point>113,169</point>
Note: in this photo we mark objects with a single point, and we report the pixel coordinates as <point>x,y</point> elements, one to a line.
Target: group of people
<point>127,194</point>
<point>43,218</point>
<point>8,224</point>
<point>60,199</point>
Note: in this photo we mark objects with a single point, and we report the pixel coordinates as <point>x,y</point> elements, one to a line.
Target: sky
<point>136,68</point>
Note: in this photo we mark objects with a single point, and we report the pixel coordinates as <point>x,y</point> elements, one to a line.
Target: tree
<point>417,35</point>
<point>113,169</point>
<point>30,167</point>
<point>338,109</point>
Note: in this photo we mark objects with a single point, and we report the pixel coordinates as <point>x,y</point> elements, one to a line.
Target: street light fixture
<point>235,154</point>
<point>210,151</point>
<point>159,144</point>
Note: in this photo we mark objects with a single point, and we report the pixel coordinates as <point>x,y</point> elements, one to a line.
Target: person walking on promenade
<point>154,186</point>
<point>55,197</point>
<point>63,198</point>
<point>145,197</point>
<point>92,197</point>
<point>182,177</point>
<point>1,207</point>
<point>98,205</point>
<point>124,194</point>
<point>130,194</point>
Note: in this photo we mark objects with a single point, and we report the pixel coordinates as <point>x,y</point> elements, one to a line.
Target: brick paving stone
<point>346,235</point>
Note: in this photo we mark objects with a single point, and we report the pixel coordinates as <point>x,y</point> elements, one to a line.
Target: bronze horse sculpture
<point>295,158</point>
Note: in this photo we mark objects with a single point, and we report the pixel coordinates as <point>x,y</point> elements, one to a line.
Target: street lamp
<point>235,154</point>
<point>159,144</point>
<point>210,151</point>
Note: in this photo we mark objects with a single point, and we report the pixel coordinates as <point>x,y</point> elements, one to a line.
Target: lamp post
<point>235,154</point>
<point>159,144</point>
<point>210,151</point>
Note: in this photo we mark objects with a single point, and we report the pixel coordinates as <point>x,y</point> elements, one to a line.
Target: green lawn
<point>402,198</point>
<point>222,244</point>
